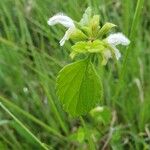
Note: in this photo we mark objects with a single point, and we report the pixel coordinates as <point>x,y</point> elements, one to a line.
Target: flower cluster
<point>89,37</point>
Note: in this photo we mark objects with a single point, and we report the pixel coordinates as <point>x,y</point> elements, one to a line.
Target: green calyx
<point>89,35</point>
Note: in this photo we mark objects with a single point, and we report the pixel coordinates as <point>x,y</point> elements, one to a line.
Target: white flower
<point>106,56</point>
<point>65,21</point>
<point>66,36</point>
<point>113,40</point>
<point>118,38</point>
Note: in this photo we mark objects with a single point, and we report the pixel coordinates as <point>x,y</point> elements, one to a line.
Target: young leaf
<point>83,47</point>
<point>96,46</point>
<point>79,47</point>
<point>79,87</point>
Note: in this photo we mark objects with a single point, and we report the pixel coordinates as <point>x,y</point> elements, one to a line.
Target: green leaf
<point>105,29</point>
<point>80,47</point>
<point>96,46</point>
<point>79,87</point>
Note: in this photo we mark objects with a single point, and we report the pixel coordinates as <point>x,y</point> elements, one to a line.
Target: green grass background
<point>30,58</point>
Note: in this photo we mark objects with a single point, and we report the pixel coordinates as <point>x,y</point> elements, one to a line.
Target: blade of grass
<point>64,127</point>
<point>16,47</point>
<point>11,144</point>
<point>24,127</point>
<point>12,137</point>
<point>32,118</point>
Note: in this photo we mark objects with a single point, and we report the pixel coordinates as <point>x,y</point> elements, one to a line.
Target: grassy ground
<point>30,58</point>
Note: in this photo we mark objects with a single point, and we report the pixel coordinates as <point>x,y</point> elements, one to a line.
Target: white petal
<point>66,36</point>
<point>117,38</point>
<point>117,53</point>
<point>107,54</point>
<point>62,19</point>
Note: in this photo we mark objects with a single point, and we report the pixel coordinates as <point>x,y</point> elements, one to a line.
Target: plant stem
<point>24,127</point>
<point>111,130</point>
<point>90,140</point>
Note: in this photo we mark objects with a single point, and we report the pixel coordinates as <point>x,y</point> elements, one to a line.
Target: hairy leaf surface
<point>79,87</point>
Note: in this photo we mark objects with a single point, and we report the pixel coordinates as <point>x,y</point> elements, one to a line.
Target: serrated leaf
<point>79,87</point>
